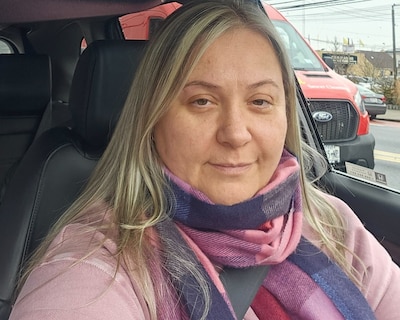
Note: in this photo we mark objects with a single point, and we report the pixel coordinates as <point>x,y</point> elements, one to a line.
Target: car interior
<point>62,86</point>
<point>25,94</point>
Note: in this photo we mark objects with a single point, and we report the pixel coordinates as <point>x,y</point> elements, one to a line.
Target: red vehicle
<point>139,26</point>
<point>335,101</point>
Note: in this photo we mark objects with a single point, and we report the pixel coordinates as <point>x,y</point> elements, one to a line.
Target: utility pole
<point>394,46</point>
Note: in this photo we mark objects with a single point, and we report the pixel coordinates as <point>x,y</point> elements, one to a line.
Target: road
<point>387,150</point>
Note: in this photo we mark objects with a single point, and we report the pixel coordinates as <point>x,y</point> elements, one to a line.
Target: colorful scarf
<point>265,230</point>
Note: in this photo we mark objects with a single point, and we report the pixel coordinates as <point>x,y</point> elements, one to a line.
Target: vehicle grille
<point>344,123</point>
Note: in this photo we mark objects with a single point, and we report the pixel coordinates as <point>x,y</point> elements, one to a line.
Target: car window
<point>5,47</point>
<point>83,45</point>
<point>358,130</point>
<point>355,142</point>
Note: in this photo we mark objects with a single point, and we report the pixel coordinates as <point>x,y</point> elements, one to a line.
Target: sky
<point>328,23</point>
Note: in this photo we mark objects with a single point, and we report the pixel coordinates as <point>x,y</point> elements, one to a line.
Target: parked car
<point>375,103</point>
<point>335,102</point>
<point>47,156</point>
<point>362,81</point>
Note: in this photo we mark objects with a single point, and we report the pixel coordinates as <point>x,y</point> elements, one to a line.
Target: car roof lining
<point>28,11</point>
<point>23,11</point>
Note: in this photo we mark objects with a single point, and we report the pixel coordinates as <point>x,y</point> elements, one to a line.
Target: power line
<point>379,14</point>
<point>287,6</point>
<point>343,18</point>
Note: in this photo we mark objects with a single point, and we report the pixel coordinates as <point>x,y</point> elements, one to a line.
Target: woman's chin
<point>232,197</point>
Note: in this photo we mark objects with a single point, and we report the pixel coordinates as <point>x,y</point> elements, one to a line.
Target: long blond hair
<point>129,177</point>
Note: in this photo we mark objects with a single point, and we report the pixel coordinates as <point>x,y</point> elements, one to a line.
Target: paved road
<point>387,149</point>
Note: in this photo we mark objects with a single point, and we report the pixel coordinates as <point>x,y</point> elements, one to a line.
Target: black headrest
<point>25,83</point>
<point>100,85</point>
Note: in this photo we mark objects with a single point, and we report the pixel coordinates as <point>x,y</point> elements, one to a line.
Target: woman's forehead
<point>238,50</point>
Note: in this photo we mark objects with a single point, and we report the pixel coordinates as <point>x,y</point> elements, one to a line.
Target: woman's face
<point>225,131</point>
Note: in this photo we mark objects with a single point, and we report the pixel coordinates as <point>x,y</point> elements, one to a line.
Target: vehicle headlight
<point>360,102</point>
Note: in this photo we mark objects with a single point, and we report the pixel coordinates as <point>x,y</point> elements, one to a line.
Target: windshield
<point>301,56</point>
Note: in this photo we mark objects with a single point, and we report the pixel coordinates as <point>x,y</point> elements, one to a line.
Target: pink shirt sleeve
<point>90,289</point>
<point>380,276</point>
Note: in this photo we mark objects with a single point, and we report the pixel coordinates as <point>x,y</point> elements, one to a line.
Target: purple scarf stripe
<point>333,281</point>
<point>186,286</point>
<point>195,213</point>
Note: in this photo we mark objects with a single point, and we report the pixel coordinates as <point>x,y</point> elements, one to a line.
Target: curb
<point>393,107</point>
<point>392,114</point>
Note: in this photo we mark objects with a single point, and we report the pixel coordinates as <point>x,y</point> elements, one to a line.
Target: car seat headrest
<point>25,84</point>
<point>100,86</point>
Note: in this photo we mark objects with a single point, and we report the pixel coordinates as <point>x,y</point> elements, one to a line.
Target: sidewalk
<point>390,115</point>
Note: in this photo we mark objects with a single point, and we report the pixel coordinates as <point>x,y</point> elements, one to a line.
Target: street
<point>387,150</point>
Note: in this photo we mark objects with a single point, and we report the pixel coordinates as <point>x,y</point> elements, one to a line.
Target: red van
<point>335,102</point>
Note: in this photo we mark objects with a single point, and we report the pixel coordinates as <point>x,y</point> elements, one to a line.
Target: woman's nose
<point>233,128</point>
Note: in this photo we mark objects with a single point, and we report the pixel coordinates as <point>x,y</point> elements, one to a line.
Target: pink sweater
<point>92,290</point>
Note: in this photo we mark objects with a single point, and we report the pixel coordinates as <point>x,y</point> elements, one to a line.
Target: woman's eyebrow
<point>214,86</point>
<point>263,83</point>
<point>202,84</point>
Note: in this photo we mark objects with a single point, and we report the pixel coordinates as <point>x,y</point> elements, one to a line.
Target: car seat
<point>25,93</point>
<point>58,163</point>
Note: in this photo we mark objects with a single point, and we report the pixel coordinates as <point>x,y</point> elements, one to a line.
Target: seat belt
<point>242,286</point>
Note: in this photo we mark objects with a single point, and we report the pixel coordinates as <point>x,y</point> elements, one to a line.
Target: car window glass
<point>380,97</point>
<point>83,45</point>
<point>359,129</point>
<point>5,47</point>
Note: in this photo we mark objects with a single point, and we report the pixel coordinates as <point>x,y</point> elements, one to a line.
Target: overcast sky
<point>367,23</point>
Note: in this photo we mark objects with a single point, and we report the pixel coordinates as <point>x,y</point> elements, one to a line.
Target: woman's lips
<point>232,169</point>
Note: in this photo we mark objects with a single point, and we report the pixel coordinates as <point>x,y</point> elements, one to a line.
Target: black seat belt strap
<point>242,286</point>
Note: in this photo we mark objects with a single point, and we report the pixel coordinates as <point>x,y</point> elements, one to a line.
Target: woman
<point>205,171</point>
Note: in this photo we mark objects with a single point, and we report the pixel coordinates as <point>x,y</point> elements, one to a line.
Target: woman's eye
<point>261,103</point>
<point>201,102</point>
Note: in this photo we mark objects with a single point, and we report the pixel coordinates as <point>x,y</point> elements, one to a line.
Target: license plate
<point>333,153</point>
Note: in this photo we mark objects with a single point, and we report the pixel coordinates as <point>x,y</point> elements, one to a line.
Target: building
<point>373,64</point>
<point>370,64</point>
